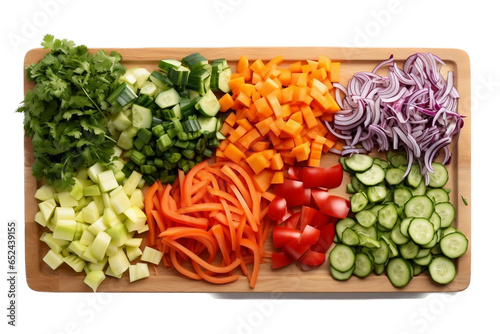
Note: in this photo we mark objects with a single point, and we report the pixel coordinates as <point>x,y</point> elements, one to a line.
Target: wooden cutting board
<point>40,277</point>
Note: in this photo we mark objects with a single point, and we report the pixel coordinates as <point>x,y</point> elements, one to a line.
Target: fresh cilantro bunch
<point>66,112</point>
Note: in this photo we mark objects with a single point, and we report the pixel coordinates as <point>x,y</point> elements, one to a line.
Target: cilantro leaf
<point>63,112</point>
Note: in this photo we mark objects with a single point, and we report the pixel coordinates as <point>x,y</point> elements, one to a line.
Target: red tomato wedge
<point>280,260</point>
<point>326,235</point>
<point>283,235</point>
<point>293,192</point>
<point>294,249</point>
<point>309,236</point>
<point>312,258</point>
<point>314,177</point>
<point>336,206</point>
<point>319,197</point>
<point>293,220</point>
<point>277,208</point>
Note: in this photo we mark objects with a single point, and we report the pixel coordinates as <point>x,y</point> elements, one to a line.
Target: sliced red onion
<point>412,108</point>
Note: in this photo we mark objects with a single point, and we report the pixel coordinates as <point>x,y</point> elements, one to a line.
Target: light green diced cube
<point>65,229</point>
<point>88,257</point>
<point>119,262</point>
<point>92,190</point>
<point>77,248</point>
<point>75,262</point>
<point>119,234</point>
<point>107,181</point>
<point>110,272</point>
<point>120,201</point>
<point>112,250</point>
<point>91,213</point>
<point>132,182</point>
<point>138,271</point>
<point>66,199</point>
<point>134,242</point>
<point>99,265</point>
<point>40,219</point>
<point>151,255</point>
<point>45,192</point>
<point>100,245</point>
<point>97,226</point>
<point>53,259</point>
<point>94,170</point>
<point>136,215</point>
<point>77,189</point>
<point>137,198</point>
<point>47,208</point>
<point>94,278</point>
<point>87,237</point>
<point>99,202</point>
<point>64,213</point>
<point>133,253</point>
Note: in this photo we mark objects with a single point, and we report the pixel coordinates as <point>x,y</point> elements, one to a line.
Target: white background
<point>471,26</point>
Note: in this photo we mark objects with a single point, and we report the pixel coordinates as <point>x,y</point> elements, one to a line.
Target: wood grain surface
<point>41,277</point>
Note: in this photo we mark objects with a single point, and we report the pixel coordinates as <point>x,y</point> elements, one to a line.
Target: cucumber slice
<point>442,270</point>
<point>401,196</point>
<point>363,265</point>
<point>341,276</point>
<point>414,176</point>
<point>208,124</point>
<point>376,193</point>
<point>419,207</point>
<point>168,98</point>
<point>409,250</point>
<point>446,212</point>
<point>421,231</point>
<point>342,224</point>
<point>454,244</point>
<point>438,195</point>
<point>208,105</point>
<point>399,272</point>
<point>342,258</point>
<point>397,236</point>
<point>394,176</point>
<point>358,202</point>
<point>366,218</point>
<point>380,254</point>
<point>350,237</point>
<point>141,117</point>
<point>388,216</point>
<point>373,176</point>
<point>440,176</point>
<point>359,162</point>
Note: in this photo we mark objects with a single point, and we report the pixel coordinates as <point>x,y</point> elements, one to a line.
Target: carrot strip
<point>257,258</point>
<point>181,269</point>
<point>203,263</point>
<point>212,279</point>
<point>178,218</point>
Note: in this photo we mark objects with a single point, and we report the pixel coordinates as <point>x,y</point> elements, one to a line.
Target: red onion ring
<point>412,108</point>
